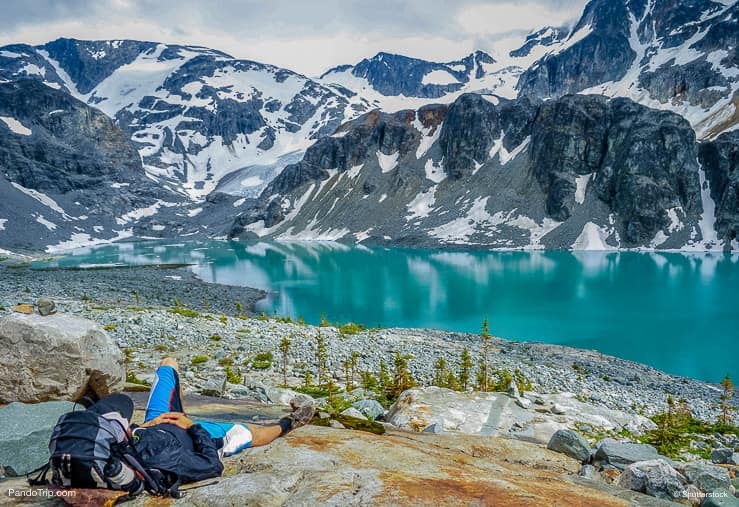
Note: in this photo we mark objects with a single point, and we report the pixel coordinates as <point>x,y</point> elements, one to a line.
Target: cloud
<point>308,37</point>
<point>500,18</point>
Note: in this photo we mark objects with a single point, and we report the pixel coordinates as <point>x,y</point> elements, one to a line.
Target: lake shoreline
<point>149,329</point>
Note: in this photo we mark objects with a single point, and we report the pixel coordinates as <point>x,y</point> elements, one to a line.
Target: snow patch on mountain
<point>422,205</point>
<point>81,239</point>
<point>16,126</point>
<point>46,223</point>
<point>506,156</point>
<point>581,186</point>
<point>387,162</point>
<point>439,77</point>
<point>592,237</point>
<point>462,228</point>
<point>708,218</point>
<point>435,172</point>
<point>43,199</point>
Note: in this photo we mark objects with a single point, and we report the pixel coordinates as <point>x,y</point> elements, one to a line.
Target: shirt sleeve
<point>203,462</point>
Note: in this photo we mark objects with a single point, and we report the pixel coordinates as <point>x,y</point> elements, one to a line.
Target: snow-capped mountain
<point>455,149</point>
<point>393,82</point>
<point>68,175</point>
<point>679,56</point>
<point>580,172</point>
<point>196,114</point>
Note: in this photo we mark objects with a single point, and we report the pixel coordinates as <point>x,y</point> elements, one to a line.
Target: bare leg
<point>263,435</point>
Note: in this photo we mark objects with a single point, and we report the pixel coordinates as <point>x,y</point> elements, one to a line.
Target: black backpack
<point>90,451</point>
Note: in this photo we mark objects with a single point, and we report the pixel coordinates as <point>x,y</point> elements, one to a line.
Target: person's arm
<point>204,462</point>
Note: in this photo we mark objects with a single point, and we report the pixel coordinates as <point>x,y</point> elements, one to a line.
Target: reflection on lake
<point>677,312</point>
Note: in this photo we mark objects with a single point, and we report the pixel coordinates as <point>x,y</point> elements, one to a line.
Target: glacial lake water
<point>678,312</point>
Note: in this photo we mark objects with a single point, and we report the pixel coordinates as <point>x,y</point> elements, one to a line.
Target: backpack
<point>90,451</point>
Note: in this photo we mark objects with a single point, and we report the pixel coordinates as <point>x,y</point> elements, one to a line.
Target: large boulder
<point>24,438</point>
<point>570,443</point>
<point>654,478</point>
<point>720,497</point>
<point>499,414</point>
<point>57,357</point>
<point>707,477</point>
<point>623,454</point>
<point>321,466</point>
<point>725,456</point>
<point>283,396</point>
<point>370,408</point>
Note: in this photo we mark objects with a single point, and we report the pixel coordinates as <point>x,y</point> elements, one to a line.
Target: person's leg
<point>263,435</point>
<point>166,392</point>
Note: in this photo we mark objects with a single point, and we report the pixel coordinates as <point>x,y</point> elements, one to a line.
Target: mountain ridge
<point>577,172</point>
<point>212,132</point>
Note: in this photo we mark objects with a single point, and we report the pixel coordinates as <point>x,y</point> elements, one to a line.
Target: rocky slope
<point>720,159</point>
<point>676,56</point>
<point>195,114</point>
<point>580,172</point>
<point>67,173</point>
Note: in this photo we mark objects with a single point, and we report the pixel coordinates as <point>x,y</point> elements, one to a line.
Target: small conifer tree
<point>465,369</point>
<point>483,375</point>
<point>402,378</point>
<point>321,358</point>
<point>726,396</point>
<point>285,350</point>
<point>440,373</point>
<point>353,363</point>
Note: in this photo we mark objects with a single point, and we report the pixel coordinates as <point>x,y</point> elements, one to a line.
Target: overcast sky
<point>306,36</point>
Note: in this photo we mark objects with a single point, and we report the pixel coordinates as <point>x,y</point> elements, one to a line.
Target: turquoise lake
<point>678,312</point>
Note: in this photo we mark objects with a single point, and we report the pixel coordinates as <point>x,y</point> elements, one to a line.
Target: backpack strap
<point>40,479</point>
<point>153,479</point>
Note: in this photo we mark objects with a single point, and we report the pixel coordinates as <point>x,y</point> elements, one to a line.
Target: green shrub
<point>215,338</point>
<point>351,328</point>
<point>110,327</point>
<point>185,312</point>
<point>232,376</point>
<point>317,392</point>
<point>133,379</point>
<point>226,361</point>
<point>199,360</point>
<point>262,361</point>
<point>677,427</point>
<point>324,321</point>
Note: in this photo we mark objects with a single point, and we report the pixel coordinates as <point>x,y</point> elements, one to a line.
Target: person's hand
<point>153,422</point>
<point>178,419</point>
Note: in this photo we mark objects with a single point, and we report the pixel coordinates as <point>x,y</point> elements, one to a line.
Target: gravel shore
<point>155,286</point>
<point>150,330</point>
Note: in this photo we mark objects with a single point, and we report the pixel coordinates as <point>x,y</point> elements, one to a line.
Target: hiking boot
<point>301,414</point>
